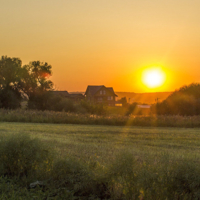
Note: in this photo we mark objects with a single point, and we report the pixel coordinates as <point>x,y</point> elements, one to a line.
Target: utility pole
<point>157,100</point>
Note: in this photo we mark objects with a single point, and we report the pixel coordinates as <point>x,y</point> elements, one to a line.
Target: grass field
<point>103,145</point>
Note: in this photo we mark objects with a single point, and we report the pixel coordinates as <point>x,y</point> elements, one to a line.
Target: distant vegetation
<point>31,83</point>
<point>35,116</point>
<point>147,98</point>
<point>185,101</point>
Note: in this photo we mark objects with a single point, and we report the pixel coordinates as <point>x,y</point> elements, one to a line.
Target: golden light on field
<point>153,77</point>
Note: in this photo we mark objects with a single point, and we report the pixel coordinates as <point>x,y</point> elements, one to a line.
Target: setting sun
<point>153,77</point>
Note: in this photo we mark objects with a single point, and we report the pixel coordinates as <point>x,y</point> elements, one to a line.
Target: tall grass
<point>23,156</point>
<point>125,177</point>
<point>117,120</point>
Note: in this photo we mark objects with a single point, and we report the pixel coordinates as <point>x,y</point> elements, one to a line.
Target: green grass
<point>102,143</point>
<point>156,155</point>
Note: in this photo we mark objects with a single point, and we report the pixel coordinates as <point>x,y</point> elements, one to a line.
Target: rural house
<point>100,94</point>
<point>73,96</point>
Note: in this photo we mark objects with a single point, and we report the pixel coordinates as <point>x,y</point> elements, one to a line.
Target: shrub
<point>159,177</point>
<point>21,156</point>
<point>10,98</point>
<point>73,175</point>
<point>98,109</point>
<point>84,179</point>
<point>68,172</point>
<point>39,100</point>
<point>66,105</point>
<point>132,109</point>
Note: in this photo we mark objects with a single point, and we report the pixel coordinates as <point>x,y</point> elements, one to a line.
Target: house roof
<point>93,89</point>
<point>76,95</point>
<point>67,94</point>
<point>61,93</point>
<point>111,89</point>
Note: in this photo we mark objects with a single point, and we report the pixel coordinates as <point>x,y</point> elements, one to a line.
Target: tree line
<point>31,82</point>
<point>184,101</point>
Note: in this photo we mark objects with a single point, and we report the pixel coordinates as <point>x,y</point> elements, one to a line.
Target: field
<point>161,157</point>
<point>102,143</point>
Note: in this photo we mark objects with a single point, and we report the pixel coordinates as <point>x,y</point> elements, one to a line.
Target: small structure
<point>73,96</point>
<point>76,96</point>
<point>143,109</point>
<point>61,93</point>
<point>100,94</point>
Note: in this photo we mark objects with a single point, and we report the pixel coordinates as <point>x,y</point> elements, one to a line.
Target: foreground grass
<point>111,118</point>
<point>129,162</point>
<point>104,142</point>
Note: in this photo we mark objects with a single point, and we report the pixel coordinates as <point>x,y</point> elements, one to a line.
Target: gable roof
<point>93,89</point>
<point>111,89</point>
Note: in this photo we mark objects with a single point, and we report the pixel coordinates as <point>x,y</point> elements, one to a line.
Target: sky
<point>105,42</point>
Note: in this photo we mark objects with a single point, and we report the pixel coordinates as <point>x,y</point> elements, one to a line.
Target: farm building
<point>72,96</point>
<point>100,94</point>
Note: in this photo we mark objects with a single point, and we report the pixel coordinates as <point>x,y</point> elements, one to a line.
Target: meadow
<point>107,162</point>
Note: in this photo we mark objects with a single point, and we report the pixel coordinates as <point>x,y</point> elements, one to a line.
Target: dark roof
<point>111,89</point>
<point>61,93</point>
<point>76,95</point>
<point>93,89</point>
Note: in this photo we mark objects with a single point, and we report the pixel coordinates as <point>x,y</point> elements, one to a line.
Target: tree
<point>185,101</point>
<point>36,85</point>
<point>10,75</point>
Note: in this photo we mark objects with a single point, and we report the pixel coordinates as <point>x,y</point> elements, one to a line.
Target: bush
<point>22,156</point>
<point>66,105</point>
<point>160,177</point>
<point>10,98</point>
<point>132,109</point>
<point>98,109</point>
<point>69,172</point>
<point>79,178</point>
<point>39,100</point>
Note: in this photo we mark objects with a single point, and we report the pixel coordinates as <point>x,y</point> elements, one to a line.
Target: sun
<point>153,77</point>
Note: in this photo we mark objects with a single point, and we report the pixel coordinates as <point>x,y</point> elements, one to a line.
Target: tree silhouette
<point>36,85</point>
<point>30,80</point>
<point>185,101</point>
<point>10,76</point>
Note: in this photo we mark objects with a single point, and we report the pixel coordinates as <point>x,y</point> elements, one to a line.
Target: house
<point>64,94</point>
<point>75,96</point>
<point>100,94</point>
<point>72,96</point>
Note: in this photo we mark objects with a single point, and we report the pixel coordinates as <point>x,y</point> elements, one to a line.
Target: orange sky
<point>105,42</point>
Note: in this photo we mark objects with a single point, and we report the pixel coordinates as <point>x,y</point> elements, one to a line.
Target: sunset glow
<point>106,42</point>
<point>153,77</point>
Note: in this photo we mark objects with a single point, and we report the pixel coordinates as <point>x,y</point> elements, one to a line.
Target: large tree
<point>30,80</point>
<point>36,85</point>
<point>10,78</point>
